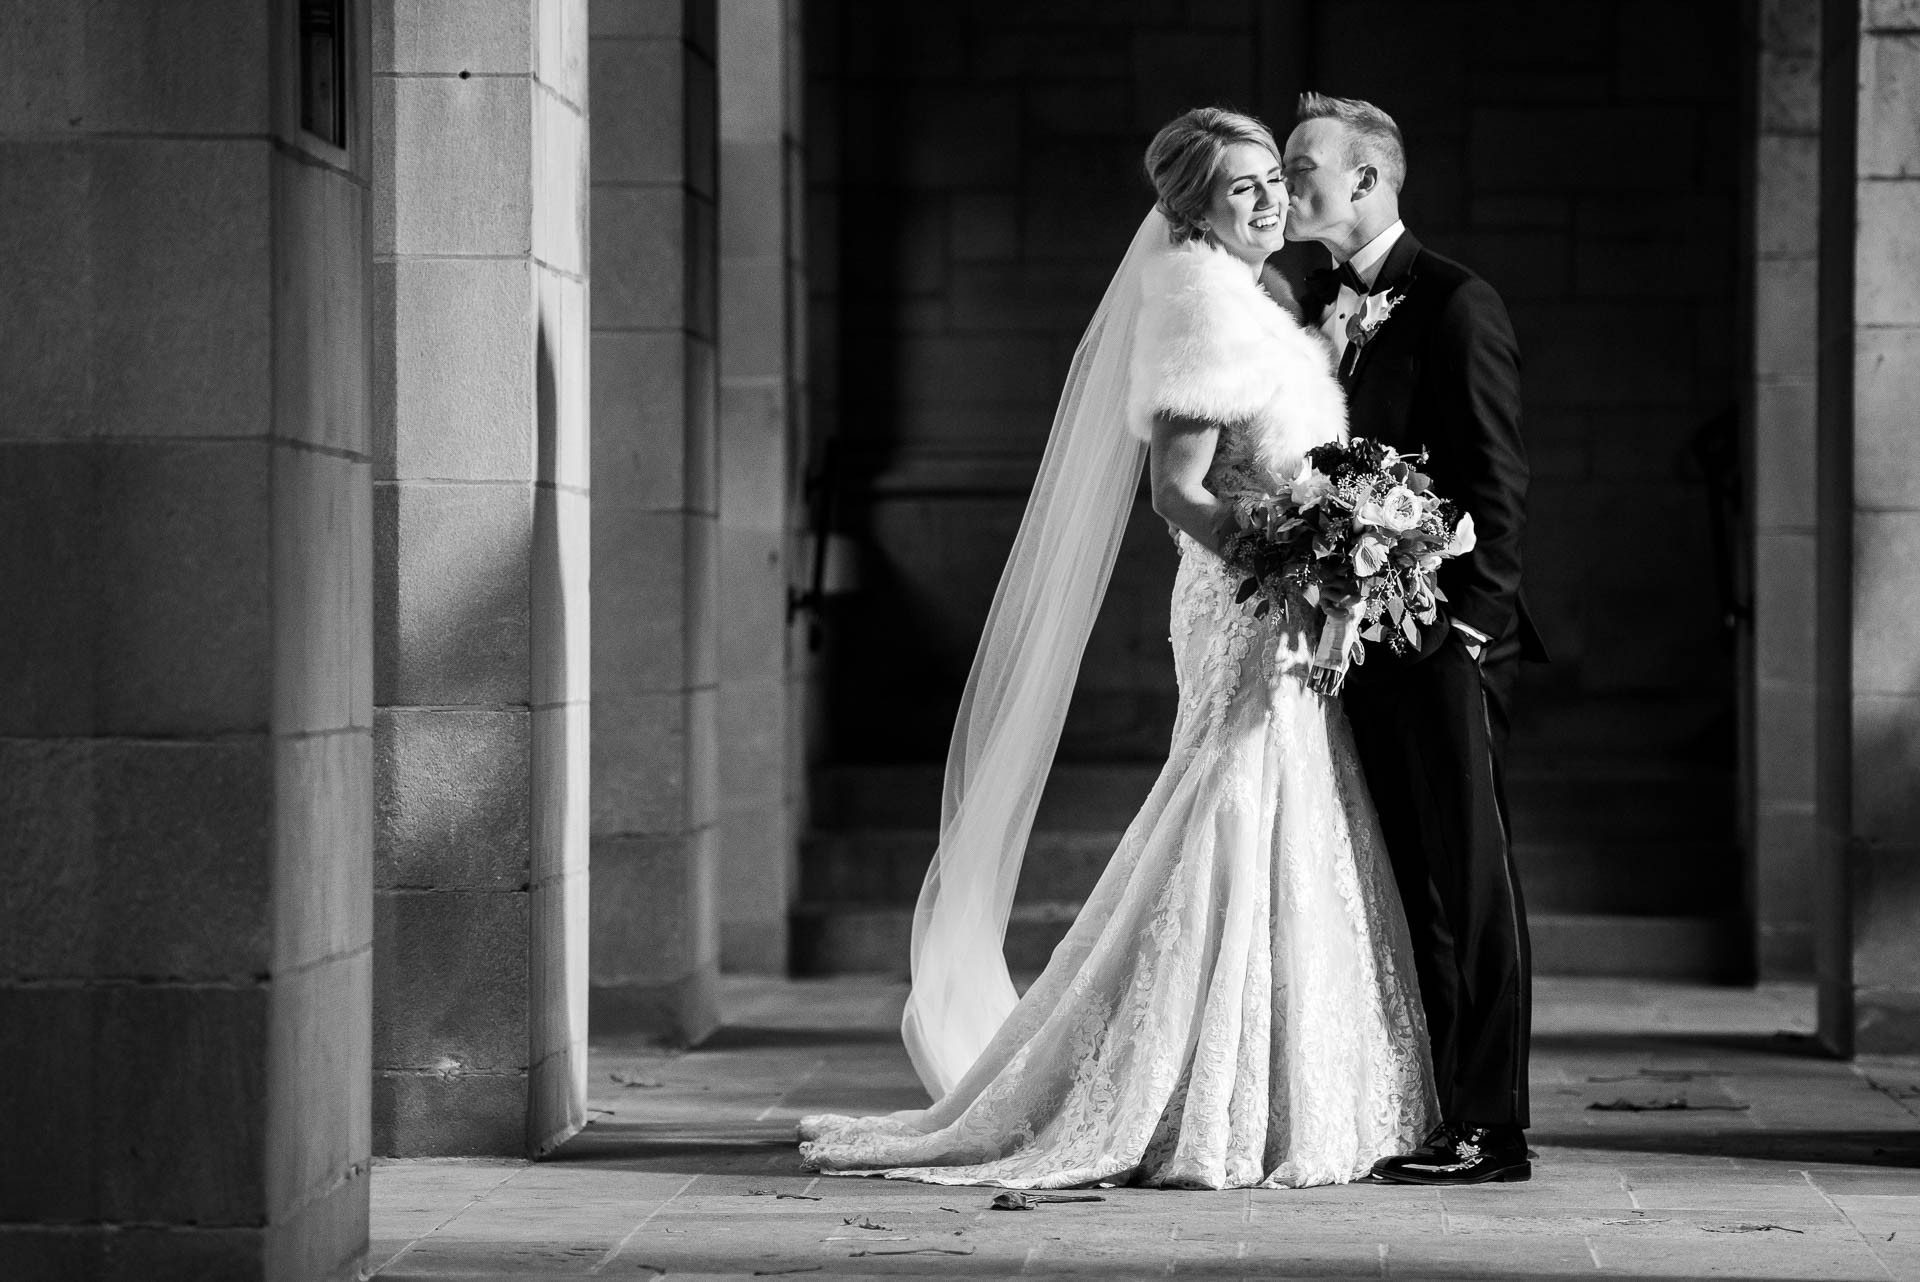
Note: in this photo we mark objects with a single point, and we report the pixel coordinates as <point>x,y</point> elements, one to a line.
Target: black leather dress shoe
<point>1461,1155</point>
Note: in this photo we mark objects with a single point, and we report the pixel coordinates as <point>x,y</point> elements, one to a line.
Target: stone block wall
<point>481,554</point>
<point>656,528</point>
<point>185,715</point>
<point>762,389</point>
<point>816,350</point>
<point>1882,703</point>
<point>1785,345</point>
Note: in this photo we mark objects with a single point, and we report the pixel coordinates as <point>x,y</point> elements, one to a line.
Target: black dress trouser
<point>1432,739</point>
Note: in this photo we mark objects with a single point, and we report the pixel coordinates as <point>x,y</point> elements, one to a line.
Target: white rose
<point>1400,510</point>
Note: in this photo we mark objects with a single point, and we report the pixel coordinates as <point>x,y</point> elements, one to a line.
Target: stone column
<point>1881,752</point>
<point>760,402</point>
<point>481,576</point>
<point>185,718</point>
<point>656,946</point>
<point>1786,261</point>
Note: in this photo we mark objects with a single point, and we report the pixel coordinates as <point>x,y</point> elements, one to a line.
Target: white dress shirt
<point>1366,265</point>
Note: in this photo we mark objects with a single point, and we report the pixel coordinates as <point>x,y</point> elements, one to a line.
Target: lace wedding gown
<point>1235,1004</point>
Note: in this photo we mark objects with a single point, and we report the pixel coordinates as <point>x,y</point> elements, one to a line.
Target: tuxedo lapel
<point>1395,270</point>
<point>1398,263</point>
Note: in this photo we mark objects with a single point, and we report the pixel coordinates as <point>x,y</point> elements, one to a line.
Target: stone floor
<point>1782,1164</point>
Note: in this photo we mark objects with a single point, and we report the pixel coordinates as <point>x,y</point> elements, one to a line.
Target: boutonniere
<point>1373,313</point>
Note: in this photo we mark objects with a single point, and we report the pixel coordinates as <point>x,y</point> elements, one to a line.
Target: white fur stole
<point>1212,345</point>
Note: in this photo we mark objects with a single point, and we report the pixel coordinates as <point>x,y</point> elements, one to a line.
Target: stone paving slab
<point>1783,1165</point>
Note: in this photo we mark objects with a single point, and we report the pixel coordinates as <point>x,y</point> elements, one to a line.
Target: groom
<point>1428,361</point>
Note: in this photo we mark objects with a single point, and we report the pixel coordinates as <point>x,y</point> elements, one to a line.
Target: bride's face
<point>1247,216</point>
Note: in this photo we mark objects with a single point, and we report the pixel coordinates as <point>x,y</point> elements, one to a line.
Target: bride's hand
<point>1327,681</point>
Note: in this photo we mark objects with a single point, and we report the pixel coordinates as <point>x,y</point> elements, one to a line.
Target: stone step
<point>1594,798</point>
<point>888,865</point>
<point>1634,878</point>
<point>850,939</point>
<point>1554,727</point>
<point>1713,947</point>
<point>1598,876</point>
<point>908,796</point>
<point>1614,802</point>
<point>873,939</point>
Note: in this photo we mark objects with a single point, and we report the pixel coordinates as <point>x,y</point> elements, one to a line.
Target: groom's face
<point>1320,183</point>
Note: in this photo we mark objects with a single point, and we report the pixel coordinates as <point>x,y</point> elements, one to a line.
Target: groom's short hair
<point>1372,137</point>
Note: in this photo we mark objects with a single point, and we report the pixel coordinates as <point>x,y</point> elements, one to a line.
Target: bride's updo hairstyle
<point>1184,158</point>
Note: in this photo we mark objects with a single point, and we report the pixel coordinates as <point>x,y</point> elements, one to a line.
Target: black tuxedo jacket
<point>1442,373</point>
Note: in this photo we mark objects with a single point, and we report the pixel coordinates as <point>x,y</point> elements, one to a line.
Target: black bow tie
<point>1323,286</point>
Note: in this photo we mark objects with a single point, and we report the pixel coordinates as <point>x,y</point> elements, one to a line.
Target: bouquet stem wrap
<point>1338,632</point>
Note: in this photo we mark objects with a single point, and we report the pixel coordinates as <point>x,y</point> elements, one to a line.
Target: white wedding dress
<point>1235,1004</point>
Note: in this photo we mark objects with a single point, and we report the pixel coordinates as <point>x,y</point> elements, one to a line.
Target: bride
<point>1235,1005</point>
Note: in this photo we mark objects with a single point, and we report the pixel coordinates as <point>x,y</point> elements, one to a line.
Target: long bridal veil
<point>1017,694</point>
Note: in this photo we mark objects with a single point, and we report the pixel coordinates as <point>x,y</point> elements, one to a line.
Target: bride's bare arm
<point>1177,459</point>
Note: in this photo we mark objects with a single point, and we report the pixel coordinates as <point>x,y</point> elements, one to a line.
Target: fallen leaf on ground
<point>796,1197</point>
<point>1665,1106</point>
<point>855,1237</point>
<point>1747,1228</point>
<point>1015,1200</point>
<point>865,1223</point>
<point>628,1079</point>
<point>798,1268</point>
<point>920,1250</point>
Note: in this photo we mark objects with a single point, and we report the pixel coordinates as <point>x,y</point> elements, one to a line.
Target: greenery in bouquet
<point>1357,516</point>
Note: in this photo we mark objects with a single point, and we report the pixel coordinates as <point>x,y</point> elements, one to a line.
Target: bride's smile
<point>1245,214</point>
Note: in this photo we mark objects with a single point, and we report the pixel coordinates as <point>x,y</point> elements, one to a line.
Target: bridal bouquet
<point>1358,515</point>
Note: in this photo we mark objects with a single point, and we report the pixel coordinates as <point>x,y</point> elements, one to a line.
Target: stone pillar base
<point>755,947</point>
<point>679,1013</point>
